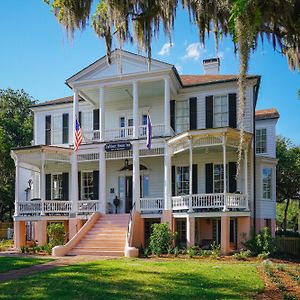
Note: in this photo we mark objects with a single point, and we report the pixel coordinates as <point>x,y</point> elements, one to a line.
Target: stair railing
<point>129,228</point>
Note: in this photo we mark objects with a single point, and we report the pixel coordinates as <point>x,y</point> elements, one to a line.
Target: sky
<point>37,56</point>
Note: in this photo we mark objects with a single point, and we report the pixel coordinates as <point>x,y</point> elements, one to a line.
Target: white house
<point>187,178</point>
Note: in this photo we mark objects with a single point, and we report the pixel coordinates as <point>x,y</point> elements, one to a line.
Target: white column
<point>43,183</point>
<point>167,107</point>
<point>74,182</point>
<point>246,177</point>
<point>167,179</point>
<point>225,172</point>
<point>135,112</point>
<point>102,180</point>
<point>101,113</point>
<point>75,111</point>
<point>190,173</point>
<point>17,190</point>
<point>136,176</point>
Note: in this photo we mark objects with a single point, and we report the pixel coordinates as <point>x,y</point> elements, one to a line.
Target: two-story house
<point>186,178</point>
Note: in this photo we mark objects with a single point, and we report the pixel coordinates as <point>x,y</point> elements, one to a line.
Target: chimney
<point>211,66</point>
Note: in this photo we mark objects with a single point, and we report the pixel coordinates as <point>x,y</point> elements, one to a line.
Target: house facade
<point>110,191</point>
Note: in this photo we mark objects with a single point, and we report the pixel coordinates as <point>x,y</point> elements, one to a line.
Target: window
<point>182,116</point>
<point>182,181</point>
<point>48,130</point>
<point>261,140</point>
<point>181,233</point>
<point>220,111</point>
<point>57,189</point>
<point>219,178</point>
<point>144,186</point>
<point>267,183</point>
<point>87,186</point>
<point>65,128</point>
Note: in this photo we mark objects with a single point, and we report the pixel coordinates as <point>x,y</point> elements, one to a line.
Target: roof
<point>64,100</point>
<point>264,114</point>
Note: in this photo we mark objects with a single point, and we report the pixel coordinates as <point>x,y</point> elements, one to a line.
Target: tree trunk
<point>285,214</point>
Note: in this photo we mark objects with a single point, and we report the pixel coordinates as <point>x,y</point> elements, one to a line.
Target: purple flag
<point>149,132</point>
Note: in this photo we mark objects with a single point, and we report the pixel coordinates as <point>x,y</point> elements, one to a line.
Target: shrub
<point>56,233</point>
<point>48,249</point>
<point>263,255</point>
<point>204,253</point>
<point>161,238</point>
<point>242,255</point>
<point>192,251</point>
<point>176,251</point>
<point>261,242</point>
<point>215,251</point>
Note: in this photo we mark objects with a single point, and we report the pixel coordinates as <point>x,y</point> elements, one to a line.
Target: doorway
<point>128,194</point>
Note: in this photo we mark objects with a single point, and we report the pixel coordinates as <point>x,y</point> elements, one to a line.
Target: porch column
<point>102,180</point>
<point>246,177</point>
<point>19,234</point>
<point>190,231</point>
<point>167,107</point>
<point>190,173</point>
<point>225,234</point>
<point>136,176</point>
<point>75,111</point>
<point>224,173</point>
<point>43,183</point>
<point>167,179</point>
<point>17,189</point>
<point>41,232</point>
<point>135,112</point>
<point>101,113</point>
<point>74,182</point>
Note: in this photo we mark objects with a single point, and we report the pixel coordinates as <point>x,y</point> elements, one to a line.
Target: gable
<point>122,63</point>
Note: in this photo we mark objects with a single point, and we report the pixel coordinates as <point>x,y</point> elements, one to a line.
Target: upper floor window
<point>261,140</point>
<point>182,116</point>
<point>219,178</point>
<point>48,130</point>
<point>87,185</point>
<point>182,180</point>
<point>65,129</point>
<point>267,183</point>
<point>220,111</point>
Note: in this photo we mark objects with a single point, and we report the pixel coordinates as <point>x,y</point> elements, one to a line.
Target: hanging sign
<point>118,146</point>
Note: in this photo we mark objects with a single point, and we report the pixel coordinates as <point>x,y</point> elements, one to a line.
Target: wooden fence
<point>3,229</point>
<point>289,245</point>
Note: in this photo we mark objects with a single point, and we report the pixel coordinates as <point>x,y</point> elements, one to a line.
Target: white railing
<point>157,130</point>
<point>209,201</point>
<point>50,206</point>
<point>152,204</point>
<point>87,206</point>
<point>123,133</point>
<point>30,207</point>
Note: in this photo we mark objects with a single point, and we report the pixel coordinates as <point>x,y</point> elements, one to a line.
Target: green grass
<point>14,263</point>
<point>139,279</point>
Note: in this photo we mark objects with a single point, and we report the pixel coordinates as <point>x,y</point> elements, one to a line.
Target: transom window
<point>267,183</point>
<point>182,181</point>
<point>261,140</point>
<point>221,111</point>
<point>87,186</point>
<point>182,116</point>
<point>219,178</point>
<point>57,189</point>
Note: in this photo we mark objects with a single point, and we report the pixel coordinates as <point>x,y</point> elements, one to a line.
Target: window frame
<point>180,181</point>
<point>257,139</point>
<point>222,177</point>
<point>182,126</point>
<point>270,181</point>
<point>82,189</point>
<point>220,113</point>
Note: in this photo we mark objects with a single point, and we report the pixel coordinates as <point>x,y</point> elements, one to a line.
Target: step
<point>81,248</point>
<point>107,231</point>
<point>97,253</point>
<point>100,244</point>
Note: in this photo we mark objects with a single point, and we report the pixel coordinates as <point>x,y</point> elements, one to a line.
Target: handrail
<point>129,227</point>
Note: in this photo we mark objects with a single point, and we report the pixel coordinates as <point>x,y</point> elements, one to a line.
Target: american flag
<point>78,135</point>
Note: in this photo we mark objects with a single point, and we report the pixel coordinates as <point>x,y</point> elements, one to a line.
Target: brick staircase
<point>106,238</point>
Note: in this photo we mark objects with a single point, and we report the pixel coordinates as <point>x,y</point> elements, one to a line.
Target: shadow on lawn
<point>105,280</point>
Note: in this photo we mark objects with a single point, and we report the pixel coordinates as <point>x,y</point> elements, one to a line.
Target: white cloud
<point>194,51</point>
<point>179,69</point>
<point>165,49</point>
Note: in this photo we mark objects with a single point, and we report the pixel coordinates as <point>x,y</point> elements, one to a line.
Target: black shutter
<point>232,110</point>
<point>209,102</point>
<point>96,119</point>
<point>65,186</point>
<point>209,178</point>
<point>79,185</point>
<point>195,179</point>
<point>173,181</point>
<point>172,113</point>
<point>65,129</point>
<point>193,113</point>
<point>80,118</point>
<point>48,130</point>
<point>232,177</point>
<point>48,186</point>
<point>96,186</point>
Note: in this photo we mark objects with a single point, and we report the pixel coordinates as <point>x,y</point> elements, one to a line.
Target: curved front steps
<point>106,238</point>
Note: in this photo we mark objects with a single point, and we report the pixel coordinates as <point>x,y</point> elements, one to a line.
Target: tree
<point>288,174</point>
<point>15,131</point>
<point>140,21</point>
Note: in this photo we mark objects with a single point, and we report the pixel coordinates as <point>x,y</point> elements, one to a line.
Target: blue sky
<point>37,56</point>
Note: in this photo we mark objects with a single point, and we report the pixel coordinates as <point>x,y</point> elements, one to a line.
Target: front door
<point>128,194</point>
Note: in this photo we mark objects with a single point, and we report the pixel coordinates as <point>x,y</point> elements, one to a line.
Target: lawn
<point>14,263</point>
<point>140,279</point>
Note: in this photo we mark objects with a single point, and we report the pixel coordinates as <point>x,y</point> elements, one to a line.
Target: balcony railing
<point>154,205</point>
<point>123,133</point>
